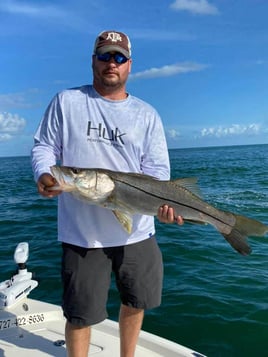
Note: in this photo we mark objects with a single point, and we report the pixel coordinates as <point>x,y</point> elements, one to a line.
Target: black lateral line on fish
<point>96,179</point>
<point>170,200</point>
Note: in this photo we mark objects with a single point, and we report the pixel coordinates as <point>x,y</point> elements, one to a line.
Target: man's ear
<point>129,65</point>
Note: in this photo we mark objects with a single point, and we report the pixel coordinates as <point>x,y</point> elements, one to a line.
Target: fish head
<point>91,184</point>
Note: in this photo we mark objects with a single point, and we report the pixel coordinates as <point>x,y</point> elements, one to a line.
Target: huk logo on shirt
<point>114,37</point>
<point>113,136</point>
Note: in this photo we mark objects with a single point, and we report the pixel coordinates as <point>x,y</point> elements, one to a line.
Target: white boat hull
<point>35,328</point>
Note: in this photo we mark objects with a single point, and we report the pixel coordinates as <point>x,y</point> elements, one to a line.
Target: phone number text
<point>21,321</point>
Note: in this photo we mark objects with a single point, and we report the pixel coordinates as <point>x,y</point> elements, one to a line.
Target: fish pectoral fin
<point>125,219</point>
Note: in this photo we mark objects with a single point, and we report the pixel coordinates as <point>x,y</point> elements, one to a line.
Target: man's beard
<point>111,82</point>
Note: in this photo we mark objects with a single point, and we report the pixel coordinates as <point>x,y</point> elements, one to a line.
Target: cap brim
<point>111,48</point>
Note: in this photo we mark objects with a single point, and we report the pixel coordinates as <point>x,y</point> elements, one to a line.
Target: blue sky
<point>203,64</point>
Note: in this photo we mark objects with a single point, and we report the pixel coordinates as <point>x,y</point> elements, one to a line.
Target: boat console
<point>20,284</point>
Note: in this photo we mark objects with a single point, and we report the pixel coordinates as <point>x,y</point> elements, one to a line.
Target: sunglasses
<point>118,57</point>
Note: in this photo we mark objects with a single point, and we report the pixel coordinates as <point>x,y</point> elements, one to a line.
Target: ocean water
<point>214,300</point>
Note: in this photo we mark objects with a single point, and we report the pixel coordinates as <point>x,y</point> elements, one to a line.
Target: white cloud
<point>12,100</point>
<point>29,9</point>
<point>10,125</point>
<point>169,70</point>
<point>173,133</point>
<point>234,129</point>
<point>5,137</point>
<point>18,100</point>
<point>61,16</point>
<point>200,7</point>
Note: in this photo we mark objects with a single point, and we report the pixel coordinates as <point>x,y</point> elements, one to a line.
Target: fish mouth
<point>64,181</point>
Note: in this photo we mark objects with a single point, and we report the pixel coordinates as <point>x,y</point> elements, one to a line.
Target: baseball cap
<point>108,41</point>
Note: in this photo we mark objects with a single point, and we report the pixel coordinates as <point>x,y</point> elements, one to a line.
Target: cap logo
<point>114,37</point>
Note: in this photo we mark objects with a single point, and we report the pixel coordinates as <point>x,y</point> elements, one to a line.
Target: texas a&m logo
<point>114,37</point>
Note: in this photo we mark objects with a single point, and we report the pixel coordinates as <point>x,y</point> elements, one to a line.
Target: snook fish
<point>130,193</point>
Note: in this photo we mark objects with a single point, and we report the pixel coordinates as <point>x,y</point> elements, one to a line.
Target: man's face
<point>109,72</point>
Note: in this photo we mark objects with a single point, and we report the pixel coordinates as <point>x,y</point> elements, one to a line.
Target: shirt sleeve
<point>155,160</point>
<point>48,140</point>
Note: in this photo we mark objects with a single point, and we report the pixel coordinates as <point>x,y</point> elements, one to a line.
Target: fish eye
<point>75,170</point>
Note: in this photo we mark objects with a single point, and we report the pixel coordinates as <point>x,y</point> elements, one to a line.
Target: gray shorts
<point>86,276</point>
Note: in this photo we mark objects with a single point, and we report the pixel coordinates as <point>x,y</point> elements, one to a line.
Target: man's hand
<point>44,182</point>
<point>166,215</point>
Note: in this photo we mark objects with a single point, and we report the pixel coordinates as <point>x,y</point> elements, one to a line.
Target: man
<point>103,126</point>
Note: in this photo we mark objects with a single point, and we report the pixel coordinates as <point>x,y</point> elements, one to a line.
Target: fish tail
<point>243,228</point>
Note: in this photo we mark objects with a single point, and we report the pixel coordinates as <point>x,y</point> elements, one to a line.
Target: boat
<point>30,327</point>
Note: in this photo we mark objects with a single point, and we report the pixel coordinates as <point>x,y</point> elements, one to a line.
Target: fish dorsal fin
<point>190,183</point>
<point>125,219</point>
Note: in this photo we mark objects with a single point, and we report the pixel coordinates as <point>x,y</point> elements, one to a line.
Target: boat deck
<point>35,328</point>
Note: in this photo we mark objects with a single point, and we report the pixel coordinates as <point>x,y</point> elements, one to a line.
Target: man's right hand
<point>44,182</point>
